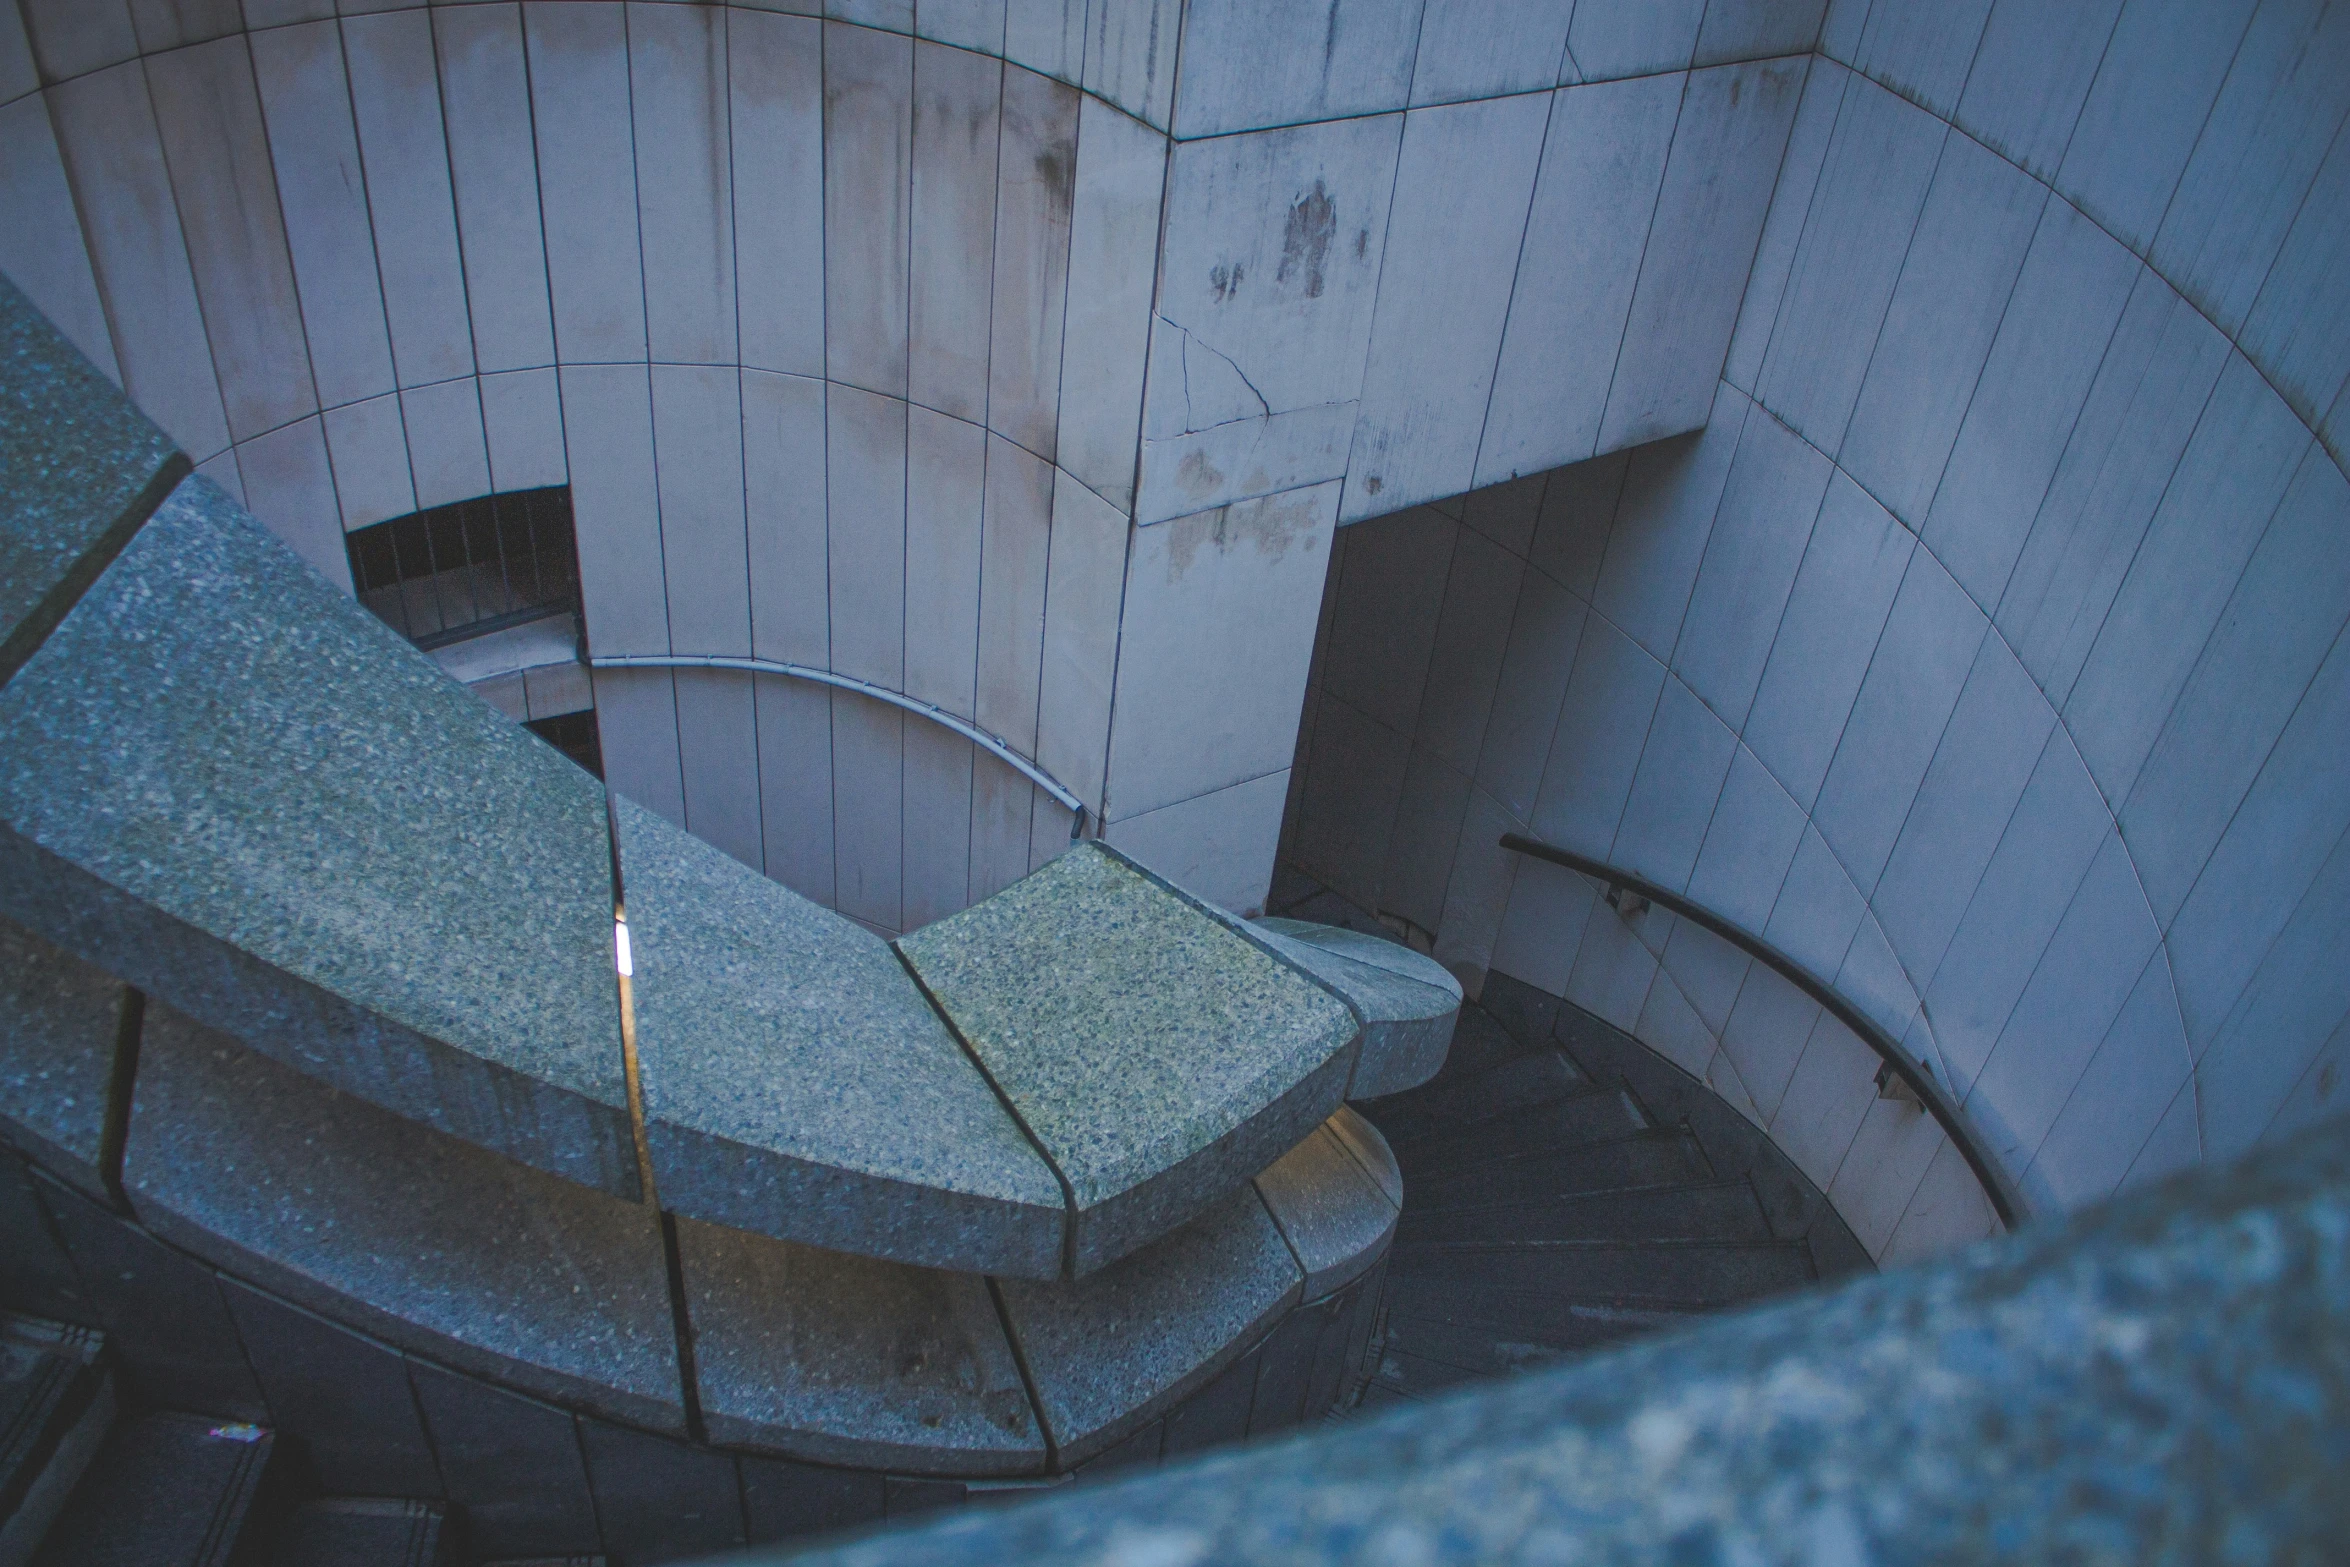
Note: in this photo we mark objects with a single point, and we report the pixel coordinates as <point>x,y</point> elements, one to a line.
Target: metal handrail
<point>915,705</point>
<point>2006,1199</point>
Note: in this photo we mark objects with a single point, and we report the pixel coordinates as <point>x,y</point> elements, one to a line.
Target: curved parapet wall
<point>1408,1001</point>
<point>1153,1051</point>
<point>425,1318</point>
<point>215,786</point>
<point>797,1083</point>
<point>237,791</point>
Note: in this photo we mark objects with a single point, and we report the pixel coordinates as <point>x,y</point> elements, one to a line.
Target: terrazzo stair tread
<point>1676,1273</point>
<point>1378,1396</point>
<point>1733,1145</point>
<point>797,1083</point>
<point>1408,1374</point>
<point>1725,1211</point>
<point>1334,1216</point>
<point>1653,1158</point>
<point>1528,1015</point>
<point>1479,1044</point>
<point>166,1490</point>
<point>1109,1353</point>
<point>210,787</point>
<point>1361,1139</point>
<point>404,1233</point>
<point>840,1359</point>
<point>80,470</point>
<point>58,1021</point>
<point>1600,1115</point>
<point>1521,1084</point>
<point>1836,1253</point>
<point>56,1405</point>
<point>1160,1053</point>
<point>362,1532</point>
<point>41,1279</point>
<point>1451,1315</point>
<point>1408,1002</point>
<point>1487,1336</point>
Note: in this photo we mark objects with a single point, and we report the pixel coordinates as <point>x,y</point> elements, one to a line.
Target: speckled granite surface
<point>80,469</point>
<point>258,842</point>
<point>1160,1057</point>
<point>369,1219</point>
<point>2166,1379</point>
<point>1408,1002</point>
<point>1111,1351</point>
<point>844,1360</point>
<point>1336,1218</point>
<point>797,1083</point>
<point>57,1028</point>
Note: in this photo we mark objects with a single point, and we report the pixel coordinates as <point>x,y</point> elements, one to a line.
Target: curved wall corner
<point>894,348</point>
<point>1984,652</point>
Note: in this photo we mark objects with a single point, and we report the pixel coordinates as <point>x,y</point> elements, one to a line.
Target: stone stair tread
<point>1416,1376</point>
<point>1489,1349</point>
<point>1691,1273</point>
<point>1479,1044</point>
<point>56,1402</point>
<point>1649,1158</point>
<point>1458,1322</point>
<point>1515,1085</point>
<point>166,1490</point>
<point>1723,1211</point>
<point>1378,1395</point>
<point>362,1532</point>
<point>1578,1120</point>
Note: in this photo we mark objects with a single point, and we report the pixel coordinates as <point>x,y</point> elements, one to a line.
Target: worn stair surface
<point>56,1402</point>
<point>1549,1209</point>
<point>166,1490</point>
<point>362,1532</point>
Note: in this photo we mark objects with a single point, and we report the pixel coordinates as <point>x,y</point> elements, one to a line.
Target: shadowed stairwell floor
<point>1566,1187</point>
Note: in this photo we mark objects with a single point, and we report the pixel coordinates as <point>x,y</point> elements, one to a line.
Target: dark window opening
<point>574,734</point>
<point>452,579</point>
<point>469,568</point>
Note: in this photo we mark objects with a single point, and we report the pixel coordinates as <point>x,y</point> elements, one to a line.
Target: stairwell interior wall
<point>1405,246</point>
<point>840,330</point>
<point>1985,651</point>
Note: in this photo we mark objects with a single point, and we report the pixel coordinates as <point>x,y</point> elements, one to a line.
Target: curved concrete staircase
<point>438,1159</point>
<point>388,1112</point>
<point>1551,1209</point>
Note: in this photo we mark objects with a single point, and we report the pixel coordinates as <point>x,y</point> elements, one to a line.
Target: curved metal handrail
<point>915,705</point>
<point>2006,1200</point>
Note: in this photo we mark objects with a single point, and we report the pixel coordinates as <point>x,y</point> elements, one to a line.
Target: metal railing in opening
<point>469,568</point>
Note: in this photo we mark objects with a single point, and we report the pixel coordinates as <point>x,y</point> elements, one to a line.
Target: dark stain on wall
<point>1305,239</point>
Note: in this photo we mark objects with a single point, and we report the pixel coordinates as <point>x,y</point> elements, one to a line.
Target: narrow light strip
<point>915,705</point>
<point>632,1075</point>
